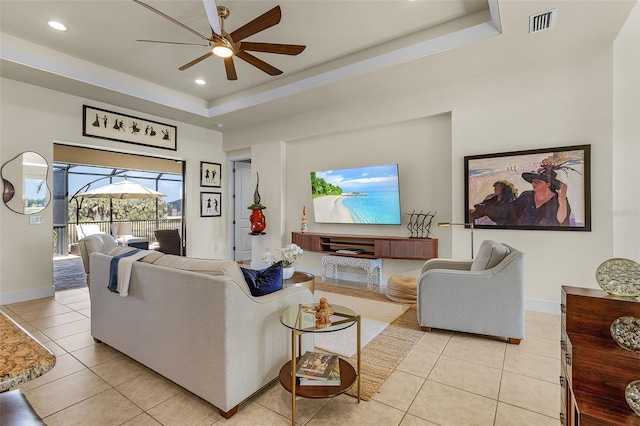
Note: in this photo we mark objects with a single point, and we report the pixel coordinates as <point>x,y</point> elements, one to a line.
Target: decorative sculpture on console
<point>419,224</point>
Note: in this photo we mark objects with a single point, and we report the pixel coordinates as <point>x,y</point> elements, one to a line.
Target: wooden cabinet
<point>595,370</point>
<point>370,246</point>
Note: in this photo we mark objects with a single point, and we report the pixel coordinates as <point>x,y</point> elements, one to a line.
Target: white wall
<point>32,118</point>
<point>626,130</point>
<point>560,101</point>
<point>420,147</point>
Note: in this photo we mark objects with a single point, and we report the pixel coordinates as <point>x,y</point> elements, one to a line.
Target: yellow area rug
<point>381,356</point>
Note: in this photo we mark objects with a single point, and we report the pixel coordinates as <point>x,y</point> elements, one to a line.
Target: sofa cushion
<point>150,258</point>
<point>120,250</point>
<point>264,281</point>
<point>213,267</point>
<point>489,255</point>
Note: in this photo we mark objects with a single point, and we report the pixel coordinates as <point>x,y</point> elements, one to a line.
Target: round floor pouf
<point>403,289</point>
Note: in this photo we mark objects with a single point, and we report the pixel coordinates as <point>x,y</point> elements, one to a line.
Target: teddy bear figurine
<point>323,313</point>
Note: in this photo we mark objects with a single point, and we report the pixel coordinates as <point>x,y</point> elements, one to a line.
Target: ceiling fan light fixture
<point>222,51</point>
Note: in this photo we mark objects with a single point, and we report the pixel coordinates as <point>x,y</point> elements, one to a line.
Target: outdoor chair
<point>169,241</point>
<point>84,230</point>
<point>483,296</point>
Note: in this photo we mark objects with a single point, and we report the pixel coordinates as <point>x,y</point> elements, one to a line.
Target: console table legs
<point>369,265</point>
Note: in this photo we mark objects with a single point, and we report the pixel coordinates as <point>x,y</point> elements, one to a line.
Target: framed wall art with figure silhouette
<point>541,189</point>
<point>210,174</point>
<point>210,204</point>
<point>103,124</point>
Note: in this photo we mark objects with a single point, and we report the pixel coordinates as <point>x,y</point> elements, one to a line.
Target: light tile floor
<point>447,379</point>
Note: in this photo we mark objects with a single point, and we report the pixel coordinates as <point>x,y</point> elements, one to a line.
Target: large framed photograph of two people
<point>540,189</point>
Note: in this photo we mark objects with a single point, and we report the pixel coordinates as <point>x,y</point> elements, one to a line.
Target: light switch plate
<point>36,220</point>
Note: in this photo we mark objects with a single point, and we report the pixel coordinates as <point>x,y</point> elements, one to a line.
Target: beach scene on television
<point>366,195</point>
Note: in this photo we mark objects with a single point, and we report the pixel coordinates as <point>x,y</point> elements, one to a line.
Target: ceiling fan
<point>227,45</point>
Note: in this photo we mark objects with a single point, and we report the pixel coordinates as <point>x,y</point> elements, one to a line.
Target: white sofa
<point>203,330</point>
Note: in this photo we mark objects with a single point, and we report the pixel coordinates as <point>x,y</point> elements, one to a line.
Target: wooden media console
<point>366,246</point>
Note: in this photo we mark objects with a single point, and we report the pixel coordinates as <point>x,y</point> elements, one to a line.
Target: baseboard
<point>24,295</point>
<point>542,306</point>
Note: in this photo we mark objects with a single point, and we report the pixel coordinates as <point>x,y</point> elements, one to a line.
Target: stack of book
<point>318,369</point>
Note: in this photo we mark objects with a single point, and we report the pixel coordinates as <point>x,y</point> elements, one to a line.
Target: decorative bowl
<point>619,277</point>
<point>626,333</point>
<point>632,395</point>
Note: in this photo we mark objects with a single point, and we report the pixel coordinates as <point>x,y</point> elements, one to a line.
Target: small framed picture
<point>210,174</point>
<point>210,204</point>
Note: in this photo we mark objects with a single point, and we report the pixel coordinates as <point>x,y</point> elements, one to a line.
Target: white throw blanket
<point>124,270</point>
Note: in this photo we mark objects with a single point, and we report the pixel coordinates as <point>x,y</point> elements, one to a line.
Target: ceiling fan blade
<point>174,42</point>
<point>211,8</point>
<point>230,67</point>
<point>281,49</point>
<point>258,63</point>
<point>262,22</point>
<point>195,61</point>
<point>153,9</point>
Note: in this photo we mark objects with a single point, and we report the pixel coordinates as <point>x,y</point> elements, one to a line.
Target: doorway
<point>243,197</point>
<point>77,169</point>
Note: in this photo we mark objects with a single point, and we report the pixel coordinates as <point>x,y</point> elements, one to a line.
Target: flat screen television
<point>363,195</point>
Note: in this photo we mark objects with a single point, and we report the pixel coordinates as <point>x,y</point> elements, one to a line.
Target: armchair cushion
<point>489,255</point>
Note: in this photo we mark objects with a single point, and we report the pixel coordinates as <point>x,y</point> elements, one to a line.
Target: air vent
<point>542,21</point>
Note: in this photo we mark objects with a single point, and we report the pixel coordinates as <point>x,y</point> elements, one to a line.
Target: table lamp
<point>470,225</point>
<point>124,229</point>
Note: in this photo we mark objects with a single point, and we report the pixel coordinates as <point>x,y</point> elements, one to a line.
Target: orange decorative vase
<point>258,221</point>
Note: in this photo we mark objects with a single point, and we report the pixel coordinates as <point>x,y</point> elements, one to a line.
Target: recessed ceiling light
<point>219,125</point>
<point>200,81</point>
<point>57,26</point>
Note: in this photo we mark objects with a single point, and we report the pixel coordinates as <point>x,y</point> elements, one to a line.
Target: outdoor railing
<point>68,235</point>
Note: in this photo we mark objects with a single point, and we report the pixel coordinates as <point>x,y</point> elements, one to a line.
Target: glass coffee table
<point>301,320</point>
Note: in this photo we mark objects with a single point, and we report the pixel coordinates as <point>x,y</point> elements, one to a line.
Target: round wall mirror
<point>25,183</point>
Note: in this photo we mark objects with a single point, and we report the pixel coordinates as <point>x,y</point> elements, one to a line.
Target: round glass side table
<point>301,320</point>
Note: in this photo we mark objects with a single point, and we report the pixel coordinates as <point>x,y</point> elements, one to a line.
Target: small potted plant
<point>288,255</point>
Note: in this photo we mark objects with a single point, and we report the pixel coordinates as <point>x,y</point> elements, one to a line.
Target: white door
<point>243,199</point>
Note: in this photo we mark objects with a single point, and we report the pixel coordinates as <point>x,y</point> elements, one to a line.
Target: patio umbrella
<point>121,190</point>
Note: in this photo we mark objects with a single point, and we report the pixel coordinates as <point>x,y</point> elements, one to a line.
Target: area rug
<point>375,317</point>
<point>381,356</point>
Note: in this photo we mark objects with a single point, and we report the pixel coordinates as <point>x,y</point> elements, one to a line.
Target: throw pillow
<point>264,281</point>
<point>489,255</point>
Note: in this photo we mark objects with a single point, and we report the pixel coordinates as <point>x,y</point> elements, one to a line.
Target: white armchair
<point>102,243</point>
<point>484,296</point>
